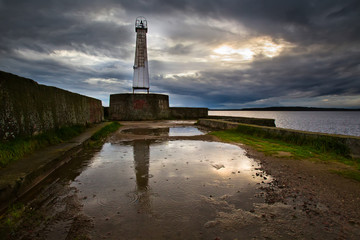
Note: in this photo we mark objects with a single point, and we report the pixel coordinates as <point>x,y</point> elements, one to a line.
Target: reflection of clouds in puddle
<point>184,131</point>
<point>196,159</point>
<point>108,154</point>
<point>165,131</point>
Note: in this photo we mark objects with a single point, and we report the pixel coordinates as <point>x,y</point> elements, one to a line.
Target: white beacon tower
<point>141,70</point>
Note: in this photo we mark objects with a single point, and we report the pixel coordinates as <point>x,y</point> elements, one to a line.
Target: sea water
<point>334,122</point>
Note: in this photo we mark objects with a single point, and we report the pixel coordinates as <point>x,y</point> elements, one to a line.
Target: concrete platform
<point>134,107</point>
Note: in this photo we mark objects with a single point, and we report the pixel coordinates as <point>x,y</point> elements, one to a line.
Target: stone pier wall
<point>28,108</point>
<point>188,113</point>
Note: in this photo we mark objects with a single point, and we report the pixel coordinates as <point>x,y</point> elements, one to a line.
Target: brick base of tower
<point>132,107</point>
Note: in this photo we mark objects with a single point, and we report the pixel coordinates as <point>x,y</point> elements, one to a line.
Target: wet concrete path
<point>162,180</point>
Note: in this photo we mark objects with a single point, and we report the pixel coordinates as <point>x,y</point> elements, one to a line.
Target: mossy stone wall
<point>28,108</point>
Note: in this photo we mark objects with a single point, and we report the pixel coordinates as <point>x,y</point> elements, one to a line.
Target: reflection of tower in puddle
<point>141,162</point>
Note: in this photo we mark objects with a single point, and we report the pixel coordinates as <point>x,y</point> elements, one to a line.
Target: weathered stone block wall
<point>188,113</point>
<point>133,107</point>
<point>217,124</point>
<point>28,108</point>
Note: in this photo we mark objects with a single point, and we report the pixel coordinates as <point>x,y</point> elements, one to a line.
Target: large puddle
<point>163,132</point>
<point>156,189</point>
<point>160,190</point>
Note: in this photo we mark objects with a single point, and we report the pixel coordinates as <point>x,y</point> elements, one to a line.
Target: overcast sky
<point>203,53</point>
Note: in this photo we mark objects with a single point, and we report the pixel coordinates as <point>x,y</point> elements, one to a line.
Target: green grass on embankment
<point>104,132</point>
<point>296,147</point>
<point>15,149</point>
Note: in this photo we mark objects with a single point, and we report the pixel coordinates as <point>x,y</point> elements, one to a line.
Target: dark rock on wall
<point>28,108</point>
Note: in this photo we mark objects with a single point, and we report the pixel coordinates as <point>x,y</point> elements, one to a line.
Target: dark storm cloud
<point>43,25</point>
<point>323,60</point>
<point>285,76</point>
<point>312,20</point>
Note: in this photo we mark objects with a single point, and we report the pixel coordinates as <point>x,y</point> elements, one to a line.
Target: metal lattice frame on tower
<point>141,70</point>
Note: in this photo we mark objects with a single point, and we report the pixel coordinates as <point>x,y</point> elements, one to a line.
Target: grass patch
<point>297,150</point>
<point>10,220</point>
<point>320,143</point>
<point>13,150</point>
<point>352,174</point>
<point>98,137</point>
<point>15,216</point>
<point>105,131</point>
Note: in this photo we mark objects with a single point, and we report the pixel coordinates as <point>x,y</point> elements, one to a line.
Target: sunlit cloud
<point>66,56</point>
<point>248,50</point>
<point>95,81</point>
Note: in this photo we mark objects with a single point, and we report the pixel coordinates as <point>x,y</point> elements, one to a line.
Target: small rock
<point>352,221</point>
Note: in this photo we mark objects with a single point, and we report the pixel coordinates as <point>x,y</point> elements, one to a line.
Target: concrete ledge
<point>20,176</point>
<point>217,124</point>
<point>343,143</point>
<point>254,121</point>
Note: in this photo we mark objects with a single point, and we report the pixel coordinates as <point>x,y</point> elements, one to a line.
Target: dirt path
<point>318,200</point>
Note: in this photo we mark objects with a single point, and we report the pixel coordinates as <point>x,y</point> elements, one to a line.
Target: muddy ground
<point>304,201</point>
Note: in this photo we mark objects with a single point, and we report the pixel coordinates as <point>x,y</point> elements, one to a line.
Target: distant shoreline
<point>287,109</point>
